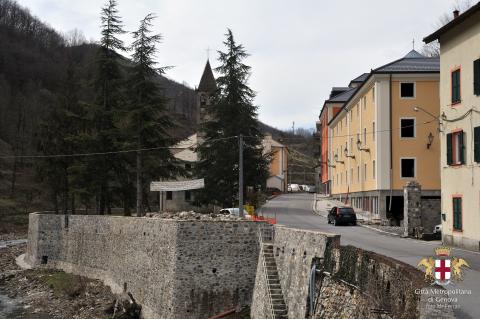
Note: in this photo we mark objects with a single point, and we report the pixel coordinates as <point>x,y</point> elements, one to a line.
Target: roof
<point>411,63</point>
<point>207,82</point>
<point>360,78</point>
<point>461,18</point>
<point>342,97</point>
<point>185,149</point>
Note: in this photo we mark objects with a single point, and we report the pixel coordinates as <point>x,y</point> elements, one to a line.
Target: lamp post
<point>437,118</point>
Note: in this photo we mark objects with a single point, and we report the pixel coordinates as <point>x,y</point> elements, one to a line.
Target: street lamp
<point>345,151</point>
<point>437,118</point>
<point>330,165</point>
<point>360,148</point>
<point>336,159</point>
<point>430,140</point>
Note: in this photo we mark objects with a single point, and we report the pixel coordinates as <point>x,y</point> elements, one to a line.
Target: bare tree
<point>432,49</point>
<point>74,37</point>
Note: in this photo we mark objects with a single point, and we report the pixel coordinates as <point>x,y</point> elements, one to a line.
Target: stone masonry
<point>175,269</point>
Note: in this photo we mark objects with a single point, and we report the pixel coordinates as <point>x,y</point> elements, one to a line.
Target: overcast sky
<point>299,49</point>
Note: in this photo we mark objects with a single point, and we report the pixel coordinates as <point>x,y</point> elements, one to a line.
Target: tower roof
<point>414,55</point>
<point>207,82</point>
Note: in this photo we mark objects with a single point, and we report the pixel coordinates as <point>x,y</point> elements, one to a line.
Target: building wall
<point>174,269</point>
<point>278,168</point>
<point>427,160</point>
<point>459,48</point>
<point>332,110</point>
<point>351,176</point>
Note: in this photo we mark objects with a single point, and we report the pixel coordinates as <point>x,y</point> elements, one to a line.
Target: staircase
<point>279,309</point>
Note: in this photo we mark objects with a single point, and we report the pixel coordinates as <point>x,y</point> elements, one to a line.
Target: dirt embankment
<point>46,293</point>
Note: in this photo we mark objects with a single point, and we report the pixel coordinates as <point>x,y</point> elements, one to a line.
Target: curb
<point>379,230</point>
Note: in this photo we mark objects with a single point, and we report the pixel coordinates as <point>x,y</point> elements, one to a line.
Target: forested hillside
<point>39,68</point>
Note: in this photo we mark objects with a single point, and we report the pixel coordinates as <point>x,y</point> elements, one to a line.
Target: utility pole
<point>240,176</point>
<point>293,127</point>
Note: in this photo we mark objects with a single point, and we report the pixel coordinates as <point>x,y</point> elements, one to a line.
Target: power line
<point>113,152</point>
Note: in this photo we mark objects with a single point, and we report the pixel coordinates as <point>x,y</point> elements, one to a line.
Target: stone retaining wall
<point>175,269</point>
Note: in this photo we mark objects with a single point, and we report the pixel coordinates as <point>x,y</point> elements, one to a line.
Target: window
<point>373,131</point>
<point>407,168</point>
<point>457,213</point>
<point>407,128</point>
<point>364,102</point>
<point>188,195</point>
<point>456,93</point>
<point>476,142</point>
<point>358,110</point>
<point>407,90</point>
<point>456,148</point>
<point>169,195</point>
<point>351,175</point>
<point>365,172</point>
<point>341,178</point>
<point>373,94</point>
<point>358,173</point>
<point>373,169</point>
<point>365,136</point>
<point>476,77</point>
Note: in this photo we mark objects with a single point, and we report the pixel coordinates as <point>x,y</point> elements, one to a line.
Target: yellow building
<point>385,136</point>
<point>278,165</point>
<point>460,121</point>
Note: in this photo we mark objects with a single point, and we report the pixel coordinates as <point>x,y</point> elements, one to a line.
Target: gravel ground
<point>46,293</point>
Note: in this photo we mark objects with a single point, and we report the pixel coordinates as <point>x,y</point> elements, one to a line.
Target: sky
<point>298,49</point>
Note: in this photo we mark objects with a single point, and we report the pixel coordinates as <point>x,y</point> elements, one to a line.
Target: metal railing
<point>266,235</point>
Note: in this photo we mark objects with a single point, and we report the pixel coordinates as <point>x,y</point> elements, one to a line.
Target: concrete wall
<point>175,269</point>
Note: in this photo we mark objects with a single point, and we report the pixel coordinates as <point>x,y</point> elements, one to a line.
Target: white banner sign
<point>177,185</point>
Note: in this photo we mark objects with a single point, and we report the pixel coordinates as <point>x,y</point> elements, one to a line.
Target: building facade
<point>386,135</point>
<point>279,163</point>
<point>460,121</point>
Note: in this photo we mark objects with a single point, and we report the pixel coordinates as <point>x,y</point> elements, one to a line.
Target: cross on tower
<point>413,43</point>
<point>208,53</point>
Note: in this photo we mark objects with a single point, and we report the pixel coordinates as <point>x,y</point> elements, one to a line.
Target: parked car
<point>311,189</point>
<point>294,188</point>
<point>342,215</point>
<point>233,211</point>
<point>289,188</point>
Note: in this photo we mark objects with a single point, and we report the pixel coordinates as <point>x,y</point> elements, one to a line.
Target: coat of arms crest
<point>443,268</point>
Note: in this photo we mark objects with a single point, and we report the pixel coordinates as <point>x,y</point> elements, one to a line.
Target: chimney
<point>456,13</point>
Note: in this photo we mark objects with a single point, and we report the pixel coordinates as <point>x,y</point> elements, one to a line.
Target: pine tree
<point>56,136</point>
<point>146,122</point>
<point>103,136</point>
<point>232,113</point>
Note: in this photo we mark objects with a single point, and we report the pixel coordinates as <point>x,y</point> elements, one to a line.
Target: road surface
<point>296,211</point>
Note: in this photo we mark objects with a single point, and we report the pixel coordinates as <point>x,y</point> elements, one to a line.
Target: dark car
<point>342,215</point>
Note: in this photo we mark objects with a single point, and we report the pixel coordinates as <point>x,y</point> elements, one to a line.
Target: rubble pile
<point>191,215</point>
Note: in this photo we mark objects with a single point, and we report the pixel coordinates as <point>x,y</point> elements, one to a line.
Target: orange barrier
<point>272,221</point>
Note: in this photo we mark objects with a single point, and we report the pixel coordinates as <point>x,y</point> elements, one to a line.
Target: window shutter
<point>449,149</point>
<point>461,146</point>
<point>476,133</point>
<point>476,77</point>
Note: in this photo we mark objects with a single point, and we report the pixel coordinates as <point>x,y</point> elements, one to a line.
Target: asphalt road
<point>296,211</point>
